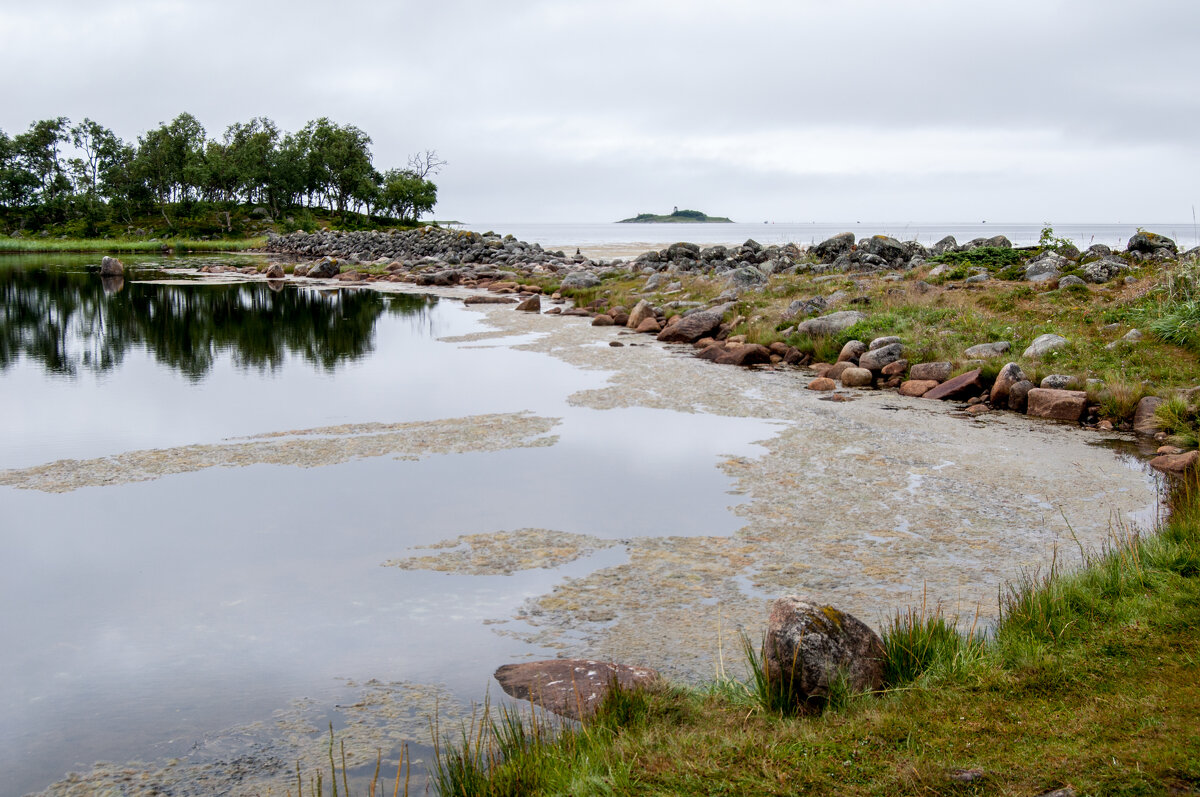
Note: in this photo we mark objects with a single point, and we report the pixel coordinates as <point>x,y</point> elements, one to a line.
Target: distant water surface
<point>603,235</point>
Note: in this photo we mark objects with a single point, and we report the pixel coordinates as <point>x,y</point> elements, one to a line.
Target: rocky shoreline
<point>505,267</point>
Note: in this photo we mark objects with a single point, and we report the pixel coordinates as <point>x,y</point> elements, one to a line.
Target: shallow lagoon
<point>224,612</point>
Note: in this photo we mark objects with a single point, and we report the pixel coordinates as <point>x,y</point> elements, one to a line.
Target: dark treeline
<point>82,174</point>
<point>67,321</point>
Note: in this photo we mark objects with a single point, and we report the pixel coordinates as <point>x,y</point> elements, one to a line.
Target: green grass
<point>1090,679</point>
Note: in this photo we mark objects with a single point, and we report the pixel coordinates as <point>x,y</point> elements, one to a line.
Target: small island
<point>677,216</point>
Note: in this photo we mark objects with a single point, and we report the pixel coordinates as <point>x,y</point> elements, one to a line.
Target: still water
<point>173,608</point>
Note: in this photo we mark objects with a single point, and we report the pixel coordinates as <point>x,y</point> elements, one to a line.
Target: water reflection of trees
<point>66,321</point>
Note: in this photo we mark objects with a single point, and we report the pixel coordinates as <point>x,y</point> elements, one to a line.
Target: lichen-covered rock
<point>1149,243</point>
<point>1057,381</point>
<point>875,359</point>
<point>578,280</point>
<point>571,688</point>
<point>879,343</point>
<point>324,268</point>
<point>828,250</point>
<point>809,645</point>
<point>984,351</point>
<point>830,324</point>
<point>1044,344</point>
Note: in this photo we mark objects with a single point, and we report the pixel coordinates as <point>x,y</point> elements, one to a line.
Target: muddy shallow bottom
<point>478,486</point>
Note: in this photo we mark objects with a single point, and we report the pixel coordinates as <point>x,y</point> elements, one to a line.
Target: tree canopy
<point>57,171</point>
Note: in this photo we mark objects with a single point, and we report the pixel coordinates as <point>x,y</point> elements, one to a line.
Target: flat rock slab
<point>968,384</point>
<point>571,688</point>
<point>488,299</point>
<point>1056,405</point>
<point>1175,463</point>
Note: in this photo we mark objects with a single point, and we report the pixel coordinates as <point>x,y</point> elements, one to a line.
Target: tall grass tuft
<point>770,693</point>
<point>918,641</point>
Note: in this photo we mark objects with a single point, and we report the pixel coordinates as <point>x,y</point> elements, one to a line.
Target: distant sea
<point>611,235</point>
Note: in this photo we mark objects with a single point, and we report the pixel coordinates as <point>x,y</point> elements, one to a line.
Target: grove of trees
<point>57,172</point>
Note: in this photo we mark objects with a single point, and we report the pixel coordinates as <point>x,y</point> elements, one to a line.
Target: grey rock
<point>746,277</point>
<point>1046,266</point>
<point>830,324</point>
<point>655,281</point>
<point>828,250</point>
<point>891,251</point>
<point>324,268</point>
<point>809,645</point>
<point>577,280</point>
<point>1132,336</point>
<point>879,343</point>
<point>1057,381</point>
<point>1044,344</point>
<point>1018,395</point>
<point>1069,280</point>
<point>985,351</point>
<point>947,244</point>
<point>805,307</point>
<point>1151,243</point>
<point>851,351</point>
<point>875,359</point>
<point>936,371</point>
<point>1103,269</point>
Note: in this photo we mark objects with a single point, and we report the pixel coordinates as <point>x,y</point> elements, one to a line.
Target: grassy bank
<point>1091,680</point>
<point>117,245</point>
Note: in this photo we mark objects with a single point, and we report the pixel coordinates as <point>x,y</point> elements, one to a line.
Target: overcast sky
<point>798,110</point>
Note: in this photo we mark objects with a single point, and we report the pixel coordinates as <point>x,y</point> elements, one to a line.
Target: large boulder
<point>1056,405</point>
<point>1045,267</point>
<point>324,268</point>
<point>531,305</point>
<point>828,250</point>
<point>885,247</point>
<point>745,278</point>
<point>274,272</point>
<point>640,312</point>
<point>1177,464</point>
<point>947,244</point>
<point>852,351</point>
<point>984,351</point>
<point>1150,243</point>
<point>875,359</point>
<point>1009,375</point>
<point>111,267</point>
<point>917,387</point>
<point>691,328</point>
<point>962,386</point>
<point>571,688</point>
<point>857,377</point>
<point>1044,344</point>
<point>578,280</point>
<point>1018,395</point>
<point>935,371</point>
<point>745,354</point>
<point>808,646</point>
<point>1102,270</point>
<point>830,324</point>
<point>1145,421</point>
